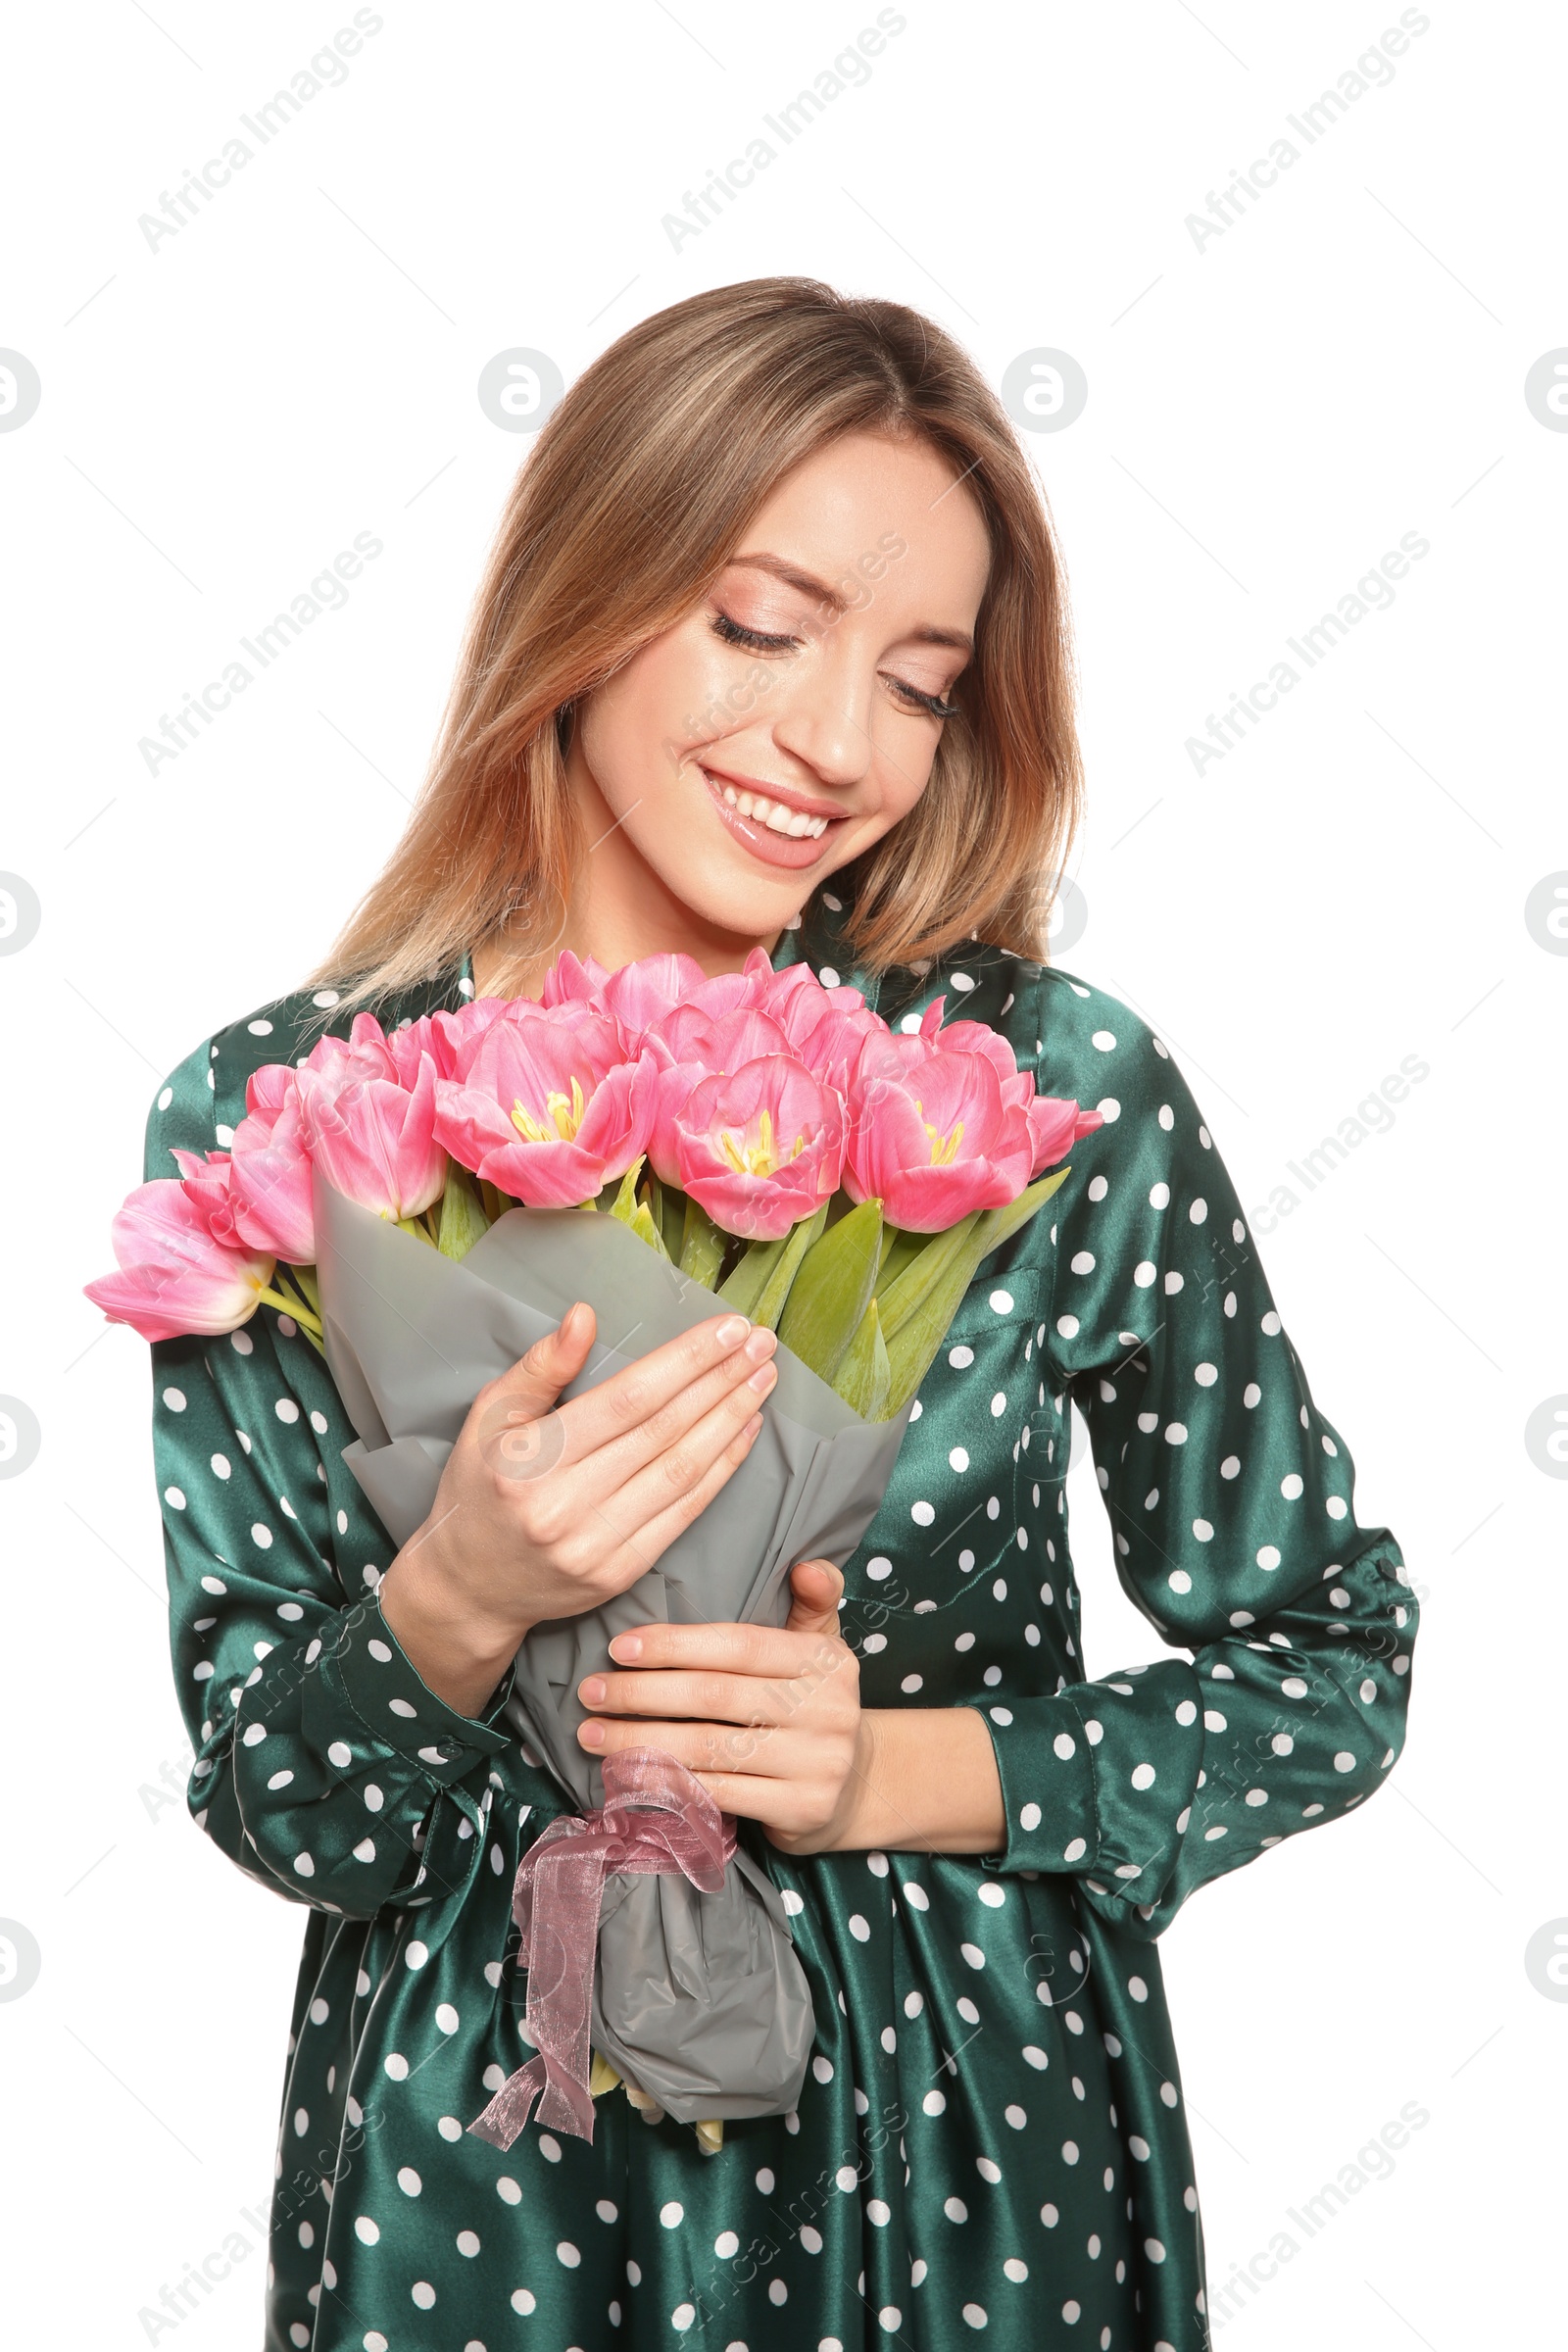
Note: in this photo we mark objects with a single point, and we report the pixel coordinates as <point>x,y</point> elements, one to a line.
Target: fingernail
<point>762,1343</point>
<point>626,1647</point>
<point>592,1692</point>
<point>592,1734</point>
<point>732,1331</point>
<point>762,1378</point>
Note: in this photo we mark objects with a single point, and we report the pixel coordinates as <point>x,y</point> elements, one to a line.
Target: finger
<point>759,1797</point>
<point>628,1396</point>
<point>533,1383</point>
<point>747,1699</point>
<point>636,1548</point>
<point>760,1649</point>
<point>815,1587</point>
<point>605,1468</point>
<point>674,1474</point>
<point>722,1747</point>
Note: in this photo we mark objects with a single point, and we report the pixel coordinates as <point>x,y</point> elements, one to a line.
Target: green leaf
<point>933,1288</point>
<point>741,1286</point>
<point>702,1245</point>
<point>865,1377</point>
<point>463,1218</point>
<point>900,1250</point>
<point>624,1203</point>
<point>642,1225</point>
<point>924,1272</point>
<point>829,1295</point>
<point>760,1283</point>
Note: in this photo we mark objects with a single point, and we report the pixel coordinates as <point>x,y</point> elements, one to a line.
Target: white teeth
<point>774,815</point>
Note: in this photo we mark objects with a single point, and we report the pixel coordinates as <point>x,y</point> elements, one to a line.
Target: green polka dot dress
<point>991,2136</point>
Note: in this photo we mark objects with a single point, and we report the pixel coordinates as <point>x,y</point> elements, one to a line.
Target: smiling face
<point>789,719</point>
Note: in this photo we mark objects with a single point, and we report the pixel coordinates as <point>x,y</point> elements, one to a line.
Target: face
<point>792,717</point>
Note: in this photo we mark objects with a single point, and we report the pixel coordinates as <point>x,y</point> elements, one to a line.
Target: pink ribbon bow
<point>657,1820</point>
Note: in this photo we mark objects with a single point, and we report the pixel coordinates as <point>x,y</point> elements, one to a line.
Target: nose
<point>824,722</point>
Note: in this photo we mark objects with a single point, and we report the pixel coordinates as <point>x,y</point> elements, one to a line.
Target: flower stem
<point>288,1304</point>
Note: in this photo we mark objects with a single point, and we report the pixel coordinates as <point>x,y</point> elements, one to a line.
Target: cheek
<point>679,691</point>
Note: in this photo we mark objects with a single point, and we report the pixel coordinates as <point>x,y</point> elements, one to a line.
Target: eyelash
<point>732,633</point>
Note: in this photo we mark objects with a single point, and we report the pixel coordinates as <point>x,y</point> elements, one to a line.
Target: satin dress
<point>991,2138</point>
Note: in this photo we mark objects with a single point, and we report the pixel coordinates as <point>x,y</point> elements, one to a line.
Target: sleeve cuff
<point>1048,1785</point>
<point>397,1708</point>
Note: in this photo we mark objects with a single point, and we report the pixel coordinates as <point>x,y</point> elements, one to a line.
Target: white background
<point>1266,415</point>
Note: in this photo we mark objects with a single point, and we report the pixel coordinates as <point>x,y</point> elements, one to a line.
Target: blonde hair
<point>636,493</point>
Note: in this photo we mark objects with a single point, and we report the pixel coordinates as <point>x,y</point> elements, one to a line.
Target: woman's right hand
<point>546,1511</point>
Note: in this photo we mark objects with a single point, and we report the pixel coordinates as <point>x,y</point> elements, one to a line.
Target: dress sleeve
<point>1230,1498</point>
<point>322,1758</point>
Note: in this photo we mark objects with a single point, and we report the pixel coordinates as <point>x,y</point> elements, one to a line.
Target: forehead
<point>898,503</point>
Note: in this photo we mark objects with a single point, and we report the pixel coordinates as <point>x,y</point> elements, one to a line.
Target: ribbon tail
<point>508,2111</point>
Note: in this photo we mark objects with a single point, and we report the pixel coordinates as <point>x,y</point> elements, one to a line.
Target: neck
<point>620,909</point>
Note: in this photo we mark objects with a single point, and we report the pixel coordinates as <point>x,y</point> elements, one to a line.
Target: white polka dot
<point>960,1358</point>
<point>567,2255</point>
<point>1029,1817</point>
<point>1002,1303</point>
<point>1270,1323</point>
<point>1290,1487</point>
<point>1199,1211</point>
<point>1144,1274</point>
<point>1142,1776</point>
<point>1068,1325</point>
<point>1268,1556</point>
<point>958,1458</point>
<point>922,1514</point>
<point>1344,1761</point>
<point>366,2231</point>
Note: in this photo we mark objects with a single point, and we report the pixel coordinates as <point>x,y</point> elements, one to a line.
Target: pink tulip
<point>548,1109</point>
<point>932,1135</point>
<point>460,1032</point>
<point>270,1193</point>
<point>1056,1124</point>
<point>760,1147</point>
<point>689,1045</point>
<point>1055,1121</point>
<point>570,981</point>
<point>173,1276</point>
<point>641,995</point>
<point>430,1034</point>
<point>373,1139</point>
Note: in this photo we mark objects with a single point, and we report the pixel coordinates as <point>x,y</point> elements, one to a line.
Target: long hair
<point>635,495</point>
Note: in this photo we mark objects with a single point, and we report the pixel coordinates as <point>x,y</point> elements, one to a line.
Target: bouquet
<point>414,1199</point>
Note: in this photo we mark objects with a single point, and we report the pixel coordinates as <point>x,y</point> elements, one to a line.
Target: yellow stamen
<point>562,1119</point>
<point>944,1148</point>
<point>761,1158</point>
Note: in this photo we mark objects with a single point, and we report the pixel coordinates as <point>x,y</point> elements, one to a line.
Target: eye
<point>754,640</point>
<point>916,700</point>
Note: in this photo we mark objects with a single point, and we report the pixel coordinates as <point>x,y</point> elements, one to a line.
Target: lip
<point>773,849</point>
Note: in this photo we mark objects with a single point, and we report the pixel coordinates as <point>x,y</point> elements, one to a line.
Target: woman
<point>772,649</point>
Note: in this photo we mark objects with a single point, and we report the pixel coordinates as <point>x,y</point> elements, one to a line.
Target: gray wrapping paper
<point>699,1999</point>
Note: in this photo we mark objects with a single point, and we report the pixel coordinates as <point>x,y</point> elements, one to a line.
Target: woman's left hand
<point>768,1719</point>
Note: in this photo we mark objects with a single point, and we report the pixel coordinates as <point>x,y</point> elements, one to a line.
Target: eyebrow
<point>808,585</point>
